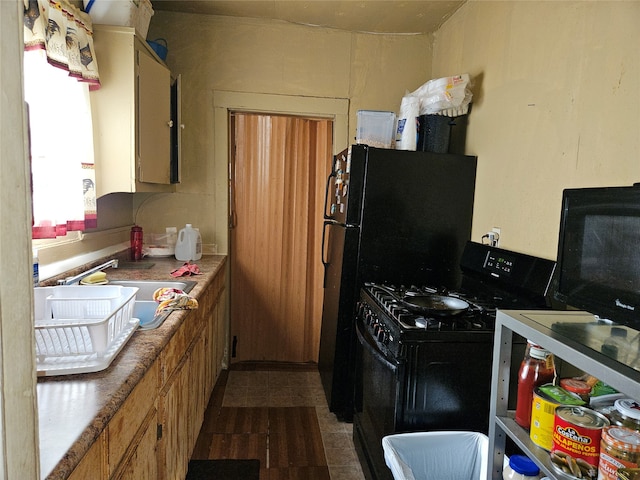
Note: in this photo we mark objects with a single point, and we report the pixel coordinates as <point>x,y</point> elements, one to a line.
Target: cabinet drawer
<point>127,421</point>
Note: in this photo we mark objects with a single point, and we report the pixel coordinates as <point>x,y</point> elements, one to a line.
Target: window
<point>59,67</point>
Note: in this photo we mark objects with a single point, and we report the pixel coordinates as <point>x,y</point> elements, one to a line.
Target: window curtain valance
<point>66,34</point>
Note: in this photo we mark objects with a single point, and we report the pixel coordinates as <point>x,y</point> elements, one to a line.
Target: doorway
<point>279,165</point>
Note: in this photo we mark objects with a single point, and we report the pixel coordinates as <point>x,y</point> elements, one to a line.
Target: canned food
<point>620,448</point>
<point>546,399</point>
<point>576,441</point>
<point>578,387</point>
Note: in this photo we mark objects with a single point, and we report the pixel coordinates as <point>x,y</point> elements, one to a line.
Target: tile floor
<point>286,387</point>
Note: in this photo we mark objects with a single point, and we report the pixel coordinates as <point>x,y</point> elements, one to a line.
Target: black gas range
<point>426,365</point>
<point>394,325</point>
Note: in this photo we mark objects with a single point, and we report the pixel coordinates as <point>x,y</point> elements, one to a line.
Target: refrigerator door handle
<point>323,248</point>
<point>326,195</point>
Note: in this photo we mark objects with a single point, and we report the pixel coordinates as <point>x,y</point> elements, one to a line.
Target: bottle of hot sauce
<point>537,368</point>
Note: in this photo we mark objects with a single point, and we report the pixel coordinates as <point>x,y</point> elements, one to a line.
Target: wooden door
<point>279,166</point>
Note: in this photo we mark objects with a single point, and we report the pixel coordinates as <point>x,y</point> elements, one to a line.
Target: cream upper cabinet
<point>131,115</point>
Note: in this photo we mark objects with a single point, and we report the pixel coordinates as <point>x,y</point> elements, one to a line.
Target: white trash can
<point>437,455</point>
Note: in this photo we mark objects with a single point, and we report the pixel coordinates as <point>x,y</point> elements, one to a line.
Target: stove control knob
<point>376,329</point>
<point>370,317</point>
<point>382,336</point>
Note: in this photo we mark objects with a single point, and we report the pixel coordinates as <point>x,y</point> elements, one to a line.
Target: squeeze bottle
<point>537,368</point>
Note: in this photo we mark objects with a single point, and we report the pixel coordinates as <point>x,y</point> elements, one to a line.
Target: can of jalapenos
<point>576,441</point>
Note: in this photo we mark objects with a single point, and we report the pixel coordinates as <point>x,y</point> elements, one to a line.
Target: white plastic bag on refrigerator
<point>449,96</point>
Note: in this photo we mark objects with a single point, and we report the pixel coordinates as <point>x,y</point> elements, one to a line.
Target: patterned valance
<point>66,34</point>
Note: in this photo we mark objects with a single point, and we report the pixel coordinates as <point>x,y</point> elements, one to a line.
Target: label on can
<point>543,410</point>
<point>576,441</point>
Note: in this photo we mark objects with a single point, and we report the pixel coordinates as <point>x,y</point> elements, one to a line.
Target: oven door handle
<point>374,350</point>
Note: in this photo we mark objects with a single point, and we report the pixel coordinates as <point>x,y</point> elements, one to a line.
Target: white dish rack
<point>80,329</point>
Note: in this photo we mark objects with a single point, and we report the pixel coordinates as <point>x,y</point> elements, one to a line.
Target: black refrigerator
<point>391,216</point>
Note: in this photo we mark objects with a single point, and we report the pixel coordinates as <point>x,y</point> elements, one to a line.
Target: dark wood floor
<point>278,421</point>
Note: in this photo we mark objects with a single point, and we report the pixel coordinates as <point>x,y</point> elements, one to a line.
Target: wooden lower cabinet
<point>174,446</point>
<point>153,434</point>
<point>183,398</point>
<point>130,422</point>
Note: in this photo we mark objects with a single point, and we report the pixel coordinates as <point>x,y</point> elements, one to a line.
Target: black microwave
<point>599,252</point>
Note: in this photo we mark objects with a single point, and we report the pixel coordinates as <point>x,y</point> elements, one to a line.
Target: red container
<point>136,243</point>
<point>537,368</point>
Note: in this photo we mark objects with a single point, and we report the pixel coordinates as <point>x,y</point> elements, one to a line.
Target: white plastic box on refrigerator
<point>375,128</point>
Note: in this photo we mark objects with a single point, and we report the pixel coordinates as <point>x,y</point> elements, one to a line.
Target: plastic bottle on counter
<point>189,244</point>
<point>520,468</point>
<point>537,368</point>
<point>136,243</point>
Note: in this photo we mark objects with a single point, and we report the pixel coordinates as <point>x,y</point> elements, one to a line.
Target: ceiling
<point>374,16</point>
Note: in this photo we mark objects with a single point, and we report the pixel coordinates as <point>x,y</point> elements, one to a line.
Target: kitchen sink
<point>145,307</point>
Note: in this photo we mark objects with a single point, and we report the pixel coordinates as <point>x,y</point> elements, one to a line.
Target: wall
<point>556,105</point>
<point>18,405</point>
<point>215,53</point>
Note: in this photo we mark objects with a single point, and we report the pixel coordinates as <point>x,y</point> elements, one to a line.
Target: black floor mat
<point>223,470</point>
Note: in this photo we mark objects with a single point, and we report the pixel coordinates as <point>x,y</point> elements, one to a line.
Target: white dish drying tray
<point>81,329</point>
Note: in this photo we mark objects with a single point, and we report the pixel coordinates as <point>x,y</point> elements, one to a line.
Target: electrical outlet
<point>496,241</point>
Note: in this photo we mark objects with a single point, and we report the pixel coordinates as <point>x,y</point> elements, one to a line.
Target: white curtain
<point>57,78</point>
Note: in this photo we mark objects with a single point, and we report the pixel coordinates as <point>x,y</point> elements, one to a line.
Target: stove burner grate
<point>479,316</point>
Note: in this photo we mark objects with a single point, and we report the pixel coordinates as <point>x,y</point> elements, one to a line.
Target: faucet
<point>71,280</point>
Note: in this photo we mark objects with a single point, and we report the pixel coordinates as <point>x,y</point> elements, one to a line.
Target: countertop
<point>73,410</point>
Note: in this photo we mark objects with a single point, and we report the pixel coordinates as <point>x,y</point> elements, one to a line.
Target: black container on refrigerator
<point>390,216</point>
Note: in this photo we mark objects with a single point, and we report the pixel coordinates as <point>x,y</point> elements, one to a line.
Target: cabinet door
<point>175,452</point>
<point>131,418</point>
<point>197,368</point>
<point>154,121</point>
<point>142,464</point>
